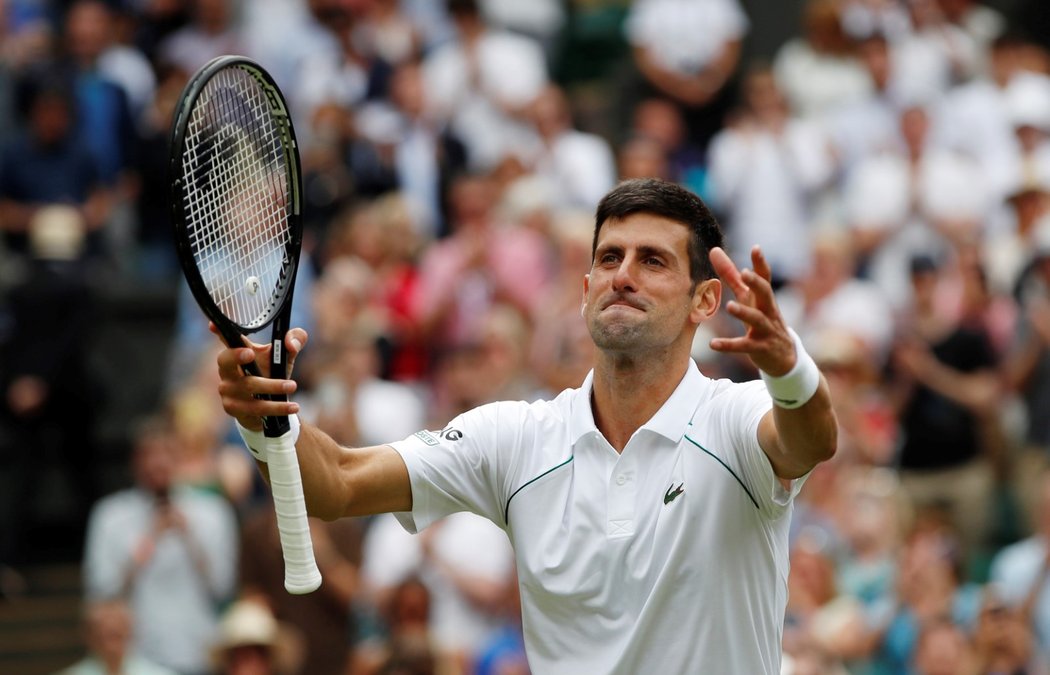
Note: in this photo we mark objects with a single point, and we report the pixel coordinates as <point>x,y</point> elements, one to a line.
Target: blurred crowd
<point>892,159</point>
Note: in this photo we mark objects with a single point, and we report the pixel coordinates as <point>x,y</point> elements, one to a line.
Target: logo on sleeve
<point>426,437</point>
<point>434,437</point>
<point>450,434</point>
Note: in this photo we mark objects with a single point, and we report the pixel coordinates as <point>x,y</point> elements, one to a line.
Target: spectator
<point>171,550</point>
<point>92,38</point>
<point>468,84</point>
<point>1003,639</point>
<point>819,70</point>
<point>1021,571</point>
<point>828,297</point>
<point>1026,366</point>
<point>322,617</point>
<point>868,126</point>
<point>482,262</point>
<point>976,116</point>
<point>578,165</point>
<point>946,388</point>
<point>766,170</point>
<point>688,51</point>
<point>930,588</point>
<point>402,639</point>
<point>660,121</point>
<point>252,642</point>
<point>103,117</point>
<point>50,391</point>
<point>108,628</point>
<point>943,648</point>
<point>49,164</point>
<point>403,147</point>
<point>211,32</point>
<point>464,563</point>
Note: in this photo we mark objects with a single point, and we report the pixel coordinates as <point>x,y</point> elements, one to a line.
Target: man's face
<point>639,295</point>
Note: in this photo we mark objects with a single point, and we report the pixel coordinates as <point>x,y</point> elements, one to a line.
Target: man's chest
<point>608,529</point>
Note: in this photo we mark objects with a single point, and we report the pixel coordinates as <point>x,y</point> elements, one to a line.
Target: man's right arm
<point>337,481</point>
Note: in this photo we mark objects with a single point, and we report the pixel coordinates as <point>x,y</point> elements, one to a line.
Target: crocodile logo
<point>673,492</point>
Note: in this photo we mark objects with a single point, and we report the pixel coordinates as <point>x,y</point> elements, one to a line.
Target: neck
<point>628,390</point>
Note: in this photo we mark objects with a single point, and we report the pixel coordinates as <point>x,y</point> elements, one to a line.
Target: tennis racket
<point>235,200</point>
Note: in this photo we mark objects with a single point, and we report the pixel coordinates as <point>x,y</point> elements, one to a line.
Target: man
<point>649,508</point>
<point>169,550</point>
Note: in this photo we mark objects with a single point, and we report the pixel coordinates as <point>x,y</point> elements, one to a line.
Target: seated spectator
<point>943,648</point>
<point>930,588</point>
<point>1021,571</point>
<point>400,638</point>
<point>250,641</point>
<point>1003,639</point>
<point>323,617</point>
<point>107,634</point>
<point>464,563</point>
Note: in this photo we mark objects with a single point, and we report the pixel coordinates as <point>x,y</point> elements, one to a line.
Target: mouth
<point>622,302</point>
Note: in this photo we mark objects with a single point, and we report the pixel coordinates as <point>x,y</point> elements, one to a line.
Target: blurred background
<point>892,157</point>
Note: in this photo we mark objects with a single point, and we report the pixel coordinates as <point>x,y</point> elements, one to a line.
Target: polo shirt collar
<point>670,421</point>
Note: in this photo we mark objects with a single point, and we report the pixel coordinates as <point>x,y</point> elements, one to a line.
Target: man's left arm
<point>801,430</point>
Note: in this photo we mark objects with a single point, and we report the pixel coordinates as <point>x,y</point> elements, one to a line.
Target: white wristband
<point>795,387</point>
<point>256,440</point>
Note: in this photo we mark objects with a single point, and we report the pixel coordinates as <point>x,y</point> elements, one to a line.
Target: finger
<point>257,408</point>
<point>294,341</point>
<point>760,264</point>
<point>761,289</point>
<point>232,360</point>
<point>753,317</point>
<point>737,345</point>
<point>250,386</point>
<point>728,271</point>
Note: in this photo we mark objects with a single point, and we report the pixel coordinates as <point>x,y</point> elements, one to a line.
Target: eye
<point>653,261</point>
<point>608,258</point>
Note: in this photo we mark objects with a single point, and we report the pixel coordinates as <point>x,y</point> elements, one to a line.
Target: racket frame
<point>233,333</point>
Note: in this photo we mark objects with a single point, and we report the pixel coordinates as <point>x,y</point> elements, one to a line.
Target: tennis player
<point>649,508</point>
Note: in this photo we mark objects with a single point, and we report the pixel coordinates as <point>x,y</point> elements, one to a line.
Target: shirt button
<point>621,479</point>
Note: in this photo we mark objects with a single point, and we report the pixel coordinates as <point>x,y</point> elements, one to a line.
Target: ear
<point>586,287</point>
<point>707,298</point>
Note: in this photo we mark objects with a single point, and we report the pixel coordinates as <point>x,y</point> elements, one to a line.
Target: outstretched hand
<point>766,341</point>
<point>240,392</point>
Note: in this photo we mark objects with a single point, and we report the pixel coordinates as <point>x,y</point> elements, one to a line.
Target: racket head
<point>235,193</point>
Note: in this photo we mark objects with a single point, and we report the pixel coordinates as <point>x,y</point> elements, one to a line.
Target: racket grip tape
<point>300,569</point>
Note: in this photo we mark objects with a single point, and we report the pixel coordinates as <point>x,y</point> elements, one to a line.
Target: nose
<point>623,279</point>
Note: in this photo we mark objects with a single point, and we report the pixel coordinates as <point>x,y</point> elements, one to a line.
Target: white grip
<point>300,569</point>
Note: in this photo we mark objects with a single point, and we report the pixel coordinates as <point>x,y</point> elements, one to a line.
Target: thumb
<point>294,341</point>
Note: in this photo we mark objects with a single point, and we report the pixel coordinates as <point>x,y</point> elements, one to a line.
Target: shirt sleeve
<point>457,468</point>
<point>745,406</point>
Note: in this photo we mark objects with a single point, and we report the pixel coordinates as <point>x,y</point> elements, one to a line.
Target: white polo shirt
<point>670,557</point>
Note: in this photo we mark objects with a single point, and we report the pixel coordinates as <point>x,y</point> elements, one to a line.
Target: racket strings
<point>237,201</point>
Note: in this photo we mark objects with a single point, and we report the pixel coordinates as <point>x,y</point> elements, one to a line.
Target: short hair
<point>667,200</point>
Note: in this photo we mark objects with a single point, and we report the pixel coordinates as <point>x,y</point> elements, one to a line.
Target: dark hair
<point>667,200</point>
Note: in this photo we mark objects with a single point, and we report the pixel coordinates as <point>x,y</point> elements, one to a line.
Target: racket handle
<point>300,569</point>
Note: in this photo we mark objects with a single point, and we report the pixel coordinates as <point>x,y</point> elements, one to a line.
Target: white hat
<point>953,187</point>
<point>249,623</point>
<point>877,193</point>
<point>1027,101</point>
<point>56,232</point>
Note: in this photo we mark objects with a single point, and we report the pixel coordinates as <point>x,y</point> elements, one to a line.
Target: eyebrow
<point>644,250</point>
